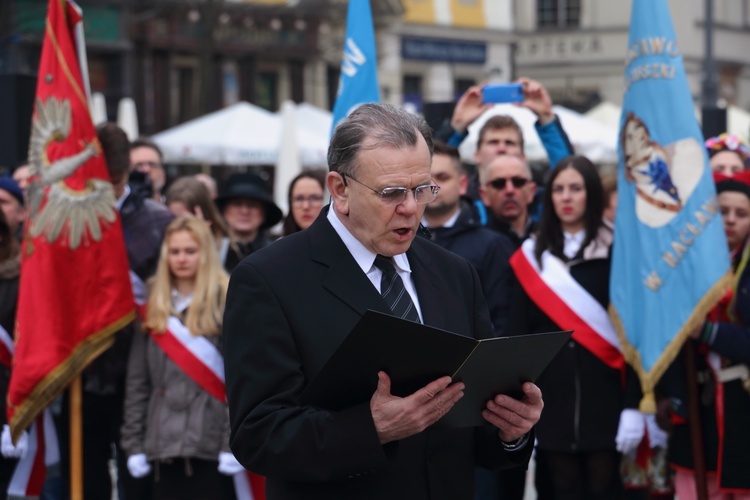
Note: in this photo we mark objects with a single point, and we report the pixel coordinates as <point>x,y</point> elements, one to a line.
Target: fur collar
<point>10,268</point>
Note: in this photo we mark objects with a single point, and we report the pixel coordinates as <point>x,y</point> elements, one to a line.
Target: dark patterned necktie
<point>393,291</point>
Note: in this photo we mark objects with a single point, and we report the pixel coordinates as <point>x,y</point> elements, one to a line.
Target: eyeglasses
<point>143,165</point>
<point>313,199</point>
<point>499,183</point>
<point>393,196</point>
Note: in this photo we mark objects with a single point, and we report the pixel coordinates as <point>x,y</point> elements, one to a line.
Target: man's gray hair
<point>384,124</point>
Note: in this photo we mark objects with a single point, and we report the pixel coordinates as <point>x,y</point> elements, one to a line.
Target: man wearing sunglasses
<point>507,189</point>
<point>291,304</point>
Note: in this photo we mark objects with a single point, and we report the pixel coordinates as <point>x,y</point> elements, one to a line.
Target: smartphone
<point>502,92</point>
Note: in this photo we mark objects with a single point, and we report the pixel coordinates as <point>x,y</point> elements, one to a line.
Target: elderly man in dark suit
<point>291,304</point>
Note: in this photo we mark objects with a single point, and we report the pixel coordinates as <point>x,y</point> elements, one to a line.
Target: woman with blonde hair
<point>175,413</point>
<point>189,196</point>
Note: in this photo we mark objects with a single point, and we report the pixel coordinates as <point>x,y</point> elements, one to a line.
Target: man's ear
<point>463,184</point>
<point>339,192</point>
<point>484,196</point>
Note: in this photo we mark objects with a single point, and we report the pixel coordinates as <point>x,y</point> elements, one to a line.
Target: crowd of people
<point>402,209</point>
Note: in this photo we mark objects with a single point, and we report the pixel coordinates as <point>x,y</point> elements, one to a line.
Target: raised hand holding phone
<point>502,92</point>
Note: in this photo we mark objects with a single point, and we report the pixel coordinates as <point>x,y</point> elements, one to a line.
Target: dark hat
<point>740,183</point>
<point>9,184</point>
<point>250,186</point>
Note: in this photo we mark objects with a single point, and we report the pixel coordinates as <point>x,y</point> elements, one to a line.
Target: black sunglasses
<point>499,183</point>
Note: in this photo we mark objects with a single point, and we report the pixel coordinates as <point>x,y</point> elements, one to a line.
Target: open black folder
<point>413,355</point>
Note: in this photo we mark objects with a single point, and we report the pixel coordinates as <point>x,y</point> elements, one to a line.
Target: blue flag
<point>359,66</point>
<point>670,260</point>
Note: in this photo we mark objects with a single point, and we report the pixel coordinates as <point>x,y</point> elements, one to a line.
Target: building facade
<point>577,47</point>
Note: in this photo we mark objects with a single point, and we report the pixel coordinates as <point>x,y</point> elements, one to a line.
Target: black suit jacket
<point>289,306</point>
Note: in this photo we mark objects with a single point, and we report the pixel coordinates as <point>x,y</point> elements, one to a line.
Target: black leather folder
<point>413,355</point>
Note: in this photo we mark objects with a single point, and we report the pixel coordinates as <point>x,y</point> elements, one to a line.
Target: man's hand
<point>469,107</point>
<point>398,418</point>
<point>536,98</point>
<point>515,417</point>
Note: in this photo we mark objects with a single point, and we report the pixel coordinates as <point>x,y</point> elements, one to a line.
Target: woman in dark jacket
<point>722,345</point>
<point>564,284</point>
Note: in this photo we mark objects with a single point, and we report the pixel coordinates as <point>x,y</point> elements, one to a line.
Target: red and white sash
<point>204,364</point>
<point>567,303</point>
<point>42,449</point>
<point>195,355</point>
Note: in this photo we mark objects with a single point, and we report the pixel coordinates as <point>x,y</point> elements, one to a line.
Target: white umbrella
<point>738,123</point>
<point>288,164</point>
<point>605,113</point>
<point>591,139</point>
<point>240,134</point>
<point>313,130</point>
<point>98,108</point>
<point>127,117</point>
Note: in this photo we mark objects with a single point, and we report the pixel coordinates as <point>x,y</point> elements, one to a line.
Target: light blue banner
<point>670,252</point>
<point>359,66</point>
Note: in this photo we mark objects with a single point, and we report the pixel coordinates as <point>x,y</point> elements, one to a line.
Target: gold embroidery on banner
<point>59,378</point>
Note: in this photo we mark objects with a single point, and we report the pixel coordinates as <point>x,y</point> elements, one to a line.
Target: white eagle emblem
<point>78,211</point>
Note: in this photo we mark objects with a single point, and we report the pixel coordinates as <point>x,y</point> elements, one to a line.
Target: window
<point>266,86</point>
<point>462,85</point>
<point>558,13</point>
<point>413,91</point>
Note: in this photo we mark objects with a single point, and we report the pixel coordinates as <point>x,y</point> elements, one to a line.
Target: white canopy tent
<point>589,138</point>
<point>313,127</point>
<point>738,120</point>
<point>240,134</point>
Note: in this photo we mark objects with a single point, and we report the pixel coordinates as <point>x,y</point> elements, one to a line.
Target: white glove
<point>228,465</point>
<point>10,450</point>
<point>657,437</point>
<point>138,466</point>
<point>630,431</point>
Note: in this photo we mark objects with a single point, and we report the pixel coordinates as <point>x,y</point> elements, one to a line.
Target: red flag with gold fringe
<point>75,290</point>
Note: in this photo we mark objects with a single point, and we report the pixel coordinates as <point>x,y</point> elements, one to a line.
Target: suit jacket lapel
<point>344,277</point>
<point>428,284</point>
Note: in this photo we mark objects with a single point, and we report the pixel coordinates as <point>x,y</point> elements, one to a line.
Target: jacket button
<point>571,344</point>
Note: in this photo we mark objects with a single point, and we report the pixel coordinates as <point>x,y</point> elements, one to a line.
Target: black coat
<point>143,222</point>
<point>488,252</point>
<point>289,306</point>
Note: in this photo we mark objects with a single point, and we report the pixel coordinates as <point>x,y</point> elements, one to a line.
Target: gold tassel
<point>648,403</point>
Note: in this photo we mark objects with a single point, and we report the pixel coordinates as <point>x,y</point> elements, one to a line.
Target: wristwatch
<point>518,443</point>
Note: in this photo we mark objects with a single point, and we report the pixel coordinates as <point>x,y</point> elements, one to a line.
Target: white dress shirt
<point>366,259</point>
<point>573,242</point>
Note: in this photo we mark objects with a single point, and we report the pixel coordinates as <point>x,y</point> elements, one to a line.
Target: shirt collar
<point>362,255</point>
<point>573,242</point>
<point>449,223</point>
<point>180,302</point>
<point>121,199</point>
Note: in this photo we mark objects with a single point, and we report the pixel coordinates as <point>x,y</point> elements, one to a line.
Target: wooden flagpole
<point>694,421</point>
<point>76,439</point>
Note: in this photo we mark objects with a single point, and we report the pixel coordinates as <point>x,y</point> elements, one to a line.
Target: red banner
<point>75,290</point>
